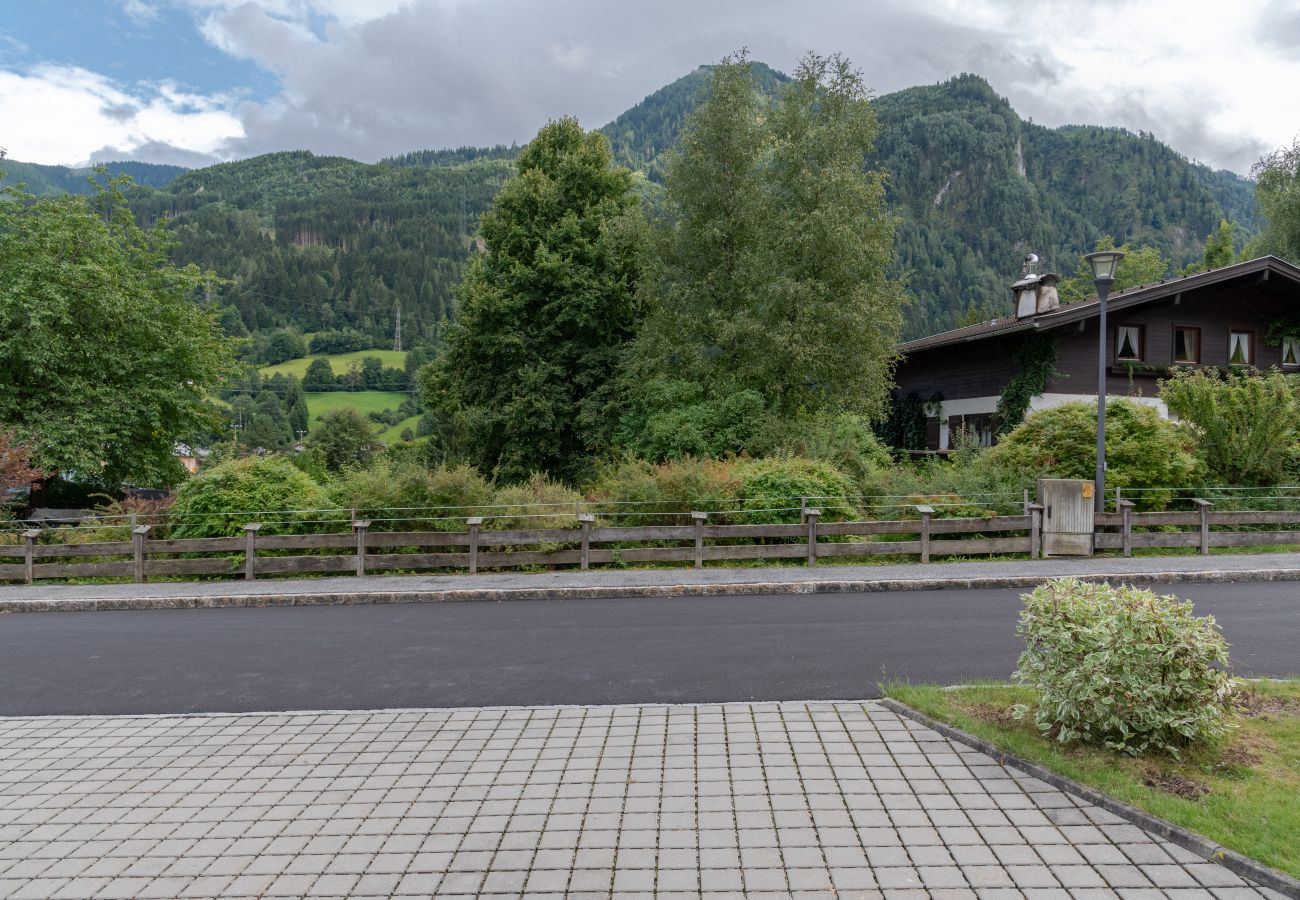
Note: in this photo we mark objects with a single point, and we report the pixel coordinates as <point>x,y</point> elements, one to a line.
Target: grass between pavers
<point>1244,794</point>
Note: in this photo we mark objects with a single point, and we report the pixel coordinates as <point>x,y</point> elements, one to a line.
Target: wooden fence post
<point>925,512</point>
<point>810,516</point>
<point>1126,525</point>
<point>138,535</point>
<point>584,521</point>
<point>360,526</point>
<point>473,523</point>
<point>1204,506</point>
<point>250,549</point>
<point>29,554</point>
<point>1035,511</point>
<point>698,518</point>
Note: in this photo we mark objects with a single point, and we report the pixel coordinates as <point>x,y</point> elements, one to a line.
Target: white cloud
<point>370,78</point>
<point>65,114</point>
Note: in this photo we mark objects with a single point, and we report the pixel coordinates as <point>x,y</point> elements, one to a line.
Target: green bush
<point>664,494</point>
<point>845,440</point>
<point>772,488</point>
<point>219,501</point>
<point>1143,450</point>
<point>401,496</point>
<point>538,502</point>
<point>968,484</point>
<point>1246,424</point>
<point>1122,668</point>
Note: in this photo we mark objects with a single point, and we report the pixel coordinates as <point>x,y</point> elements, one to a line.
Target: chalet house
<point>1218,318</point>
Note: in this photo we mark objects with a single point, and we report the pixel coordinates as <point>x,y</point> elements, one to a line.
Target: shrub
<point>1246,424</point>
<point>220,500</point>
<point>1143,450</point>
<point>538,502</point>
<point>399,495</point>
<point>769,484</point>
<point>967,484</point>
<point>845,440</point>
<point>665,494</point>
<point>1122,668</point>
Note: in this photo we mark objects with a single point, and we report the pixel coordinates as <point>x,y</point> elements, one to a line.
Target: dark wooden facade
<point>962,373</point>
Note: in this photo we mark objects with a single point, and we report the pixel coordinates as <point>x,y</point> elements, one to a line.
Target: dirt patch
<point>991,713</point>
<point>1244,752</point>
<point>1254,704</point>
<point>1173,783</point>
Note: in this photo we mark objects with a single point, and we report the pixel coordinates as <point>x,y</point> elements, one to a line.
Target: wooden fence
<point>362,550</point>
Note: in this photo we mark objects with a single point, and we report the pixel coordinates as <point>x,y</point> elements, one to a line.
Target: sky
<point>192,82</point>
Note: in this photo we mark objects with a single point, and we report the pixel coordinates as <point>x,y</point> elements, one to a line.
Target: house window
<point>1128,342</point>
<point>1291,352</point>
<point>1241,348</point>
<point>1187,344</point>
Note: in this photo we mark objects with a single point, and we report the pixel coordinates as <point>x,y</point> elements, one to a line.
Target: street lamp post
<point>1103,271</point>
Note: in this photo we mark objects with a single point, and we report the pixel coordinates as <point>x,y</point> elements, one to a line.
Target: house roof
<point>1086,309</point>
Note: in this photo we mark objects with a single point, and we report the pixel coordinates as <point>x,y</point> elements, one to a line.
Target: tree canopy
<point>528,369</point>
<point>773,296</point>
<point>105,353</point>
<point>1277,193</point>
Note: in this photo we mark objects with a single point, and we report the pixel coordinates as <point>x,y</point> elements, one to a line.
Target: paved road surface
<point>692,649</point>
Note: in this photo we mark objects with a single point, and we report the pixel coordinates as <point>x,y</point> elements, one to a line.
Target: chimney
<point>1034,293</point>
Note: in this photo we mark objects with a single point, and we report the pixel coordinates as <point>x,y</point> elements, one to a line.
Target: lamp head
<point>1104,263</point>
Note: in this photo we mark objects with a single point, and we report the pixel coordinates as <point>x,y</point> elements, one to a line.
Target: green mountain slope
<point>324,242</point>
<point>977,188</point>
<point>47,181</point>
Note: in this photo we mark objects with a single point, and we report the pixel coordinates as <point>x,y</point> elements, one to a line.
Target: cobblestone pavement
<point>820,800</point>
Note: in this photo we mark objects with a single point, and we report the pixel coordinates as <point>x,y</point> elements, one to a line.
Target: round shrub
<point>1122,668</point>
<point>772,488</point>
<point>219,501</point>
<point>1143,450</point>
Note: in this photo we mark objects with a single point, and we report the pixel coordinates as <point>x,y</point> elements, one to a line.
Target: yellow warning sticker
<point>1087,488</point>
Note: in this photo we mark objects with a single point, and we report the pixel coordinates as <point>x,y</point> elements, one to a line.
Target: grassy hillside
<point>393,359</point>
<point>367,401</point>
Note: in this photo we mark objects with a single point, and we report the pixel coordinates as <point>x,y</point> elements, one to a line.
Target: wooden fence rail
<point>361,550</point>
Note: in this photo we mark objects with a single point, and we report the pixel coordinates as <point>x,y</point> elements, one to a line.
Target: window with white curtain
<point>1241,349</point>
<point>1128,342</point>
<point>1291,352</point>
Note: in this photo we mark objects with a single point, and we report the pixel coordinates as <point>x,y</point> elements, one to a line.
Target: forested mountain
<point>47,181</point>
<point>327,243</point>
<point>977,188</point>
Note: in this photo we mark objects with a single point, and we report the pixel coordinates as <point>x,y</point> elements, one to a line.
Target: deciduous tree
<point>106,357</point>
<point>774,282</point>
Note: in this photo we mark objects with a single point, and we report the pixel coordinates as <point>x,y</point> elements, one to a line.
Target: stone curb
<point>725,589</point>
<point>1201,846</point>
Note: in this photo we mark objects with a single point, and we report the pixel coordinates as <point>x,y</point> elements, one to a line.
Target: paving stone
<point>715,800</point>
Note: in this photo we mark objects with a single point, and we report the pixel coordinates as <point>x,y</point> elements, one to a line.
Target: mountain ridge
<point>326,242</point>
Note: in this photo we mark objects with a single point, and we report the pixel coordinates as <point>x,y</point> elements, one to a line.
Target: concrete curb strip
<point>1201,846</point>
<point>188,598</point>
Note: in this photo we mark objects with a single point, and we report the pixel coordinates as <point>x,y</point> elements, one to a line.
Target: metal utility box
<point>1067,516</point>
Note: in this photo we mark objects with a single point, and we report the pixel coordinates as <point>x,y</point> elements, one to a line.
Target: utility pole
<point>397,329</point>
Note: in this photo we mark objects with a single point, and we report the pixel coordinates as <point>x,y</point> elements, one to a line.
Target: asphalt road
<point>690,649</point>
